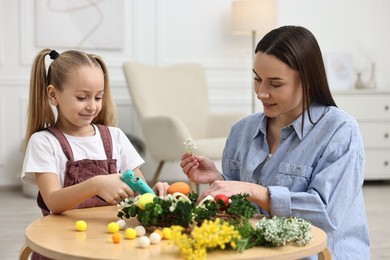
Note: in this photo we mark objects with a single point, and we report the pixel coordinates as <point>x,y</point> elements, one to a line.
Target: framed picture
<point>79,24</point>
<point>339,71</point>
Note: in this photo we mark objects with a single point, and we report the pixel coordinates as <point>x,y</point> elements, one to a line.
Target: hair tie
<point>53,55</point>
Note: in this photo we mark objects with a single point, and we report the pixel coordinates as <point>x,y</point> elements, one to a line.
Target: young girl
<point>301,156</point>
<point>75,157</point>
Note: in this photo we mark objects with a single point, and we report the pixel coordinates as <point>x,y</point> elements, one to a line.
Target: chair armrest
<point>164,137</point>
<point>218,125</point>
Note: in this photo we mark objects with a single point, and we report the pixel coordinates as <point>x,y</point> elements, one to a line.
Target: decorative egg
<point>180,186</point>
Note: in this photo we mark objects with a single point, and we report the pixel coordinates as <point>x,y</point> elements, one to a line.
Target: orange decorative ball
<point>116,238</point>
<point>181,187</point>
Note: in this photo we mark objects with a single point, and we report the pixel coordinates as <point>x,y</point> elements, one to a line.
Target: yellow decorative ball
<point>145,199</point>
<point>80,225</point>
<point>112,227</point>
<point>167,233</point>
<point>130,233</point>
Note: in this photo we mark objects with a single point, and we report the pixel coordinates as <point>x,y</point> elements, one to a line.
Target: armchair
<point>172,105</point>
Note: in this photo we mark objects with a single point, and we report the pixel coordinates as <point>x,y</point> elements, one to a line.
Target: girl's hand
<point>112,189</point>
<point>161,189</point>
<point>199,169</point>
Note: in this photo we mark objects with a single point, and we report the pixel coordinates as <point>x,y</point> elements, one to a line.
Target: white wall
<point>169,31</point>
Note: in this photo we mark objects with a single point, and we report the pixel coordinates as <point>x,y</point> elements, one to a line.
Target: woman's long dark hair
<point>298,48</point>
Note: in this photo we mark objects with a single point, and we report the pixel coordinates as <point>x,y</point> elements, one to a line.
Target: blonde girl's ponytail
<point>108,114</point>
<point>40,114</point>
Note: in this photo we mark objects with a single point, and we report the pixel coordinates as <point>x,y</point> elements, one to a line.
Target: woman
<point>302,156</point>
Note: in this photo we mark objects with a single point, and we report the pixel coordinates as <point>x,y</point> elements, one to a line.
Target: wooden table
<point>54,236</point>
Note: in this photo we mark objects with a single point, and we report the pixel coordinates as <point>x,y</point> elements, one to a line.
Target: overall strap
<point>107,140</point>
<point>63,142</point>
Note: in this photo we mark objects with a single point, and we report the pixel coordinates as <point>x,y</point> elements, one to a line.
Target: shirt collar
<point>261,126</point>
<point>316,112</point>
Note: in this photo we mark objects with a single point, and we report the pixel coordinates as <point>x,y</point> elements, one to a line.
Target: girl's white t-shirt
<point>44,153</point>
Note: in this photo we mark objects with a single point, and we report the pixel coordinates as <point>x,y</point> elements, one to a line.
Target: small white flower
<point>279,231</point>
<point>189,146</point>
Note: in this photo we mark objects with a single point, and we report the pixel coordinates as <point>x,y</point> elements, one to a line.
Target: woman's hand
<point>199,169</point>
<point>227,188</point>
<point>257,194</point>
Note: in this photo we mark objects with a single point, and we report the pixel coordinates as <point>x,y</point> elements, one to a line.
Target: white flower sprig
<point>189,146</point>
<point>279,231</point>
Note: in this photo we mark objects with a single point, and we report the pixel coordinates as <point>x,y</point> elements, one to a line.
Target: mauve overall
<point>79,171</point>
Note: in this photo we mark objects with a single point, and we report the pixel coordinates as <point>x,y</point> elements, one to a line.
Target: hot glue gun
<point>136,183</point>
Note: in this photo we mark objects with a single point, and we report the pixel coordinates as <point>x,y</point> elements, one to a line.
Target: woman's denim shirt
<point>316,173</point>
